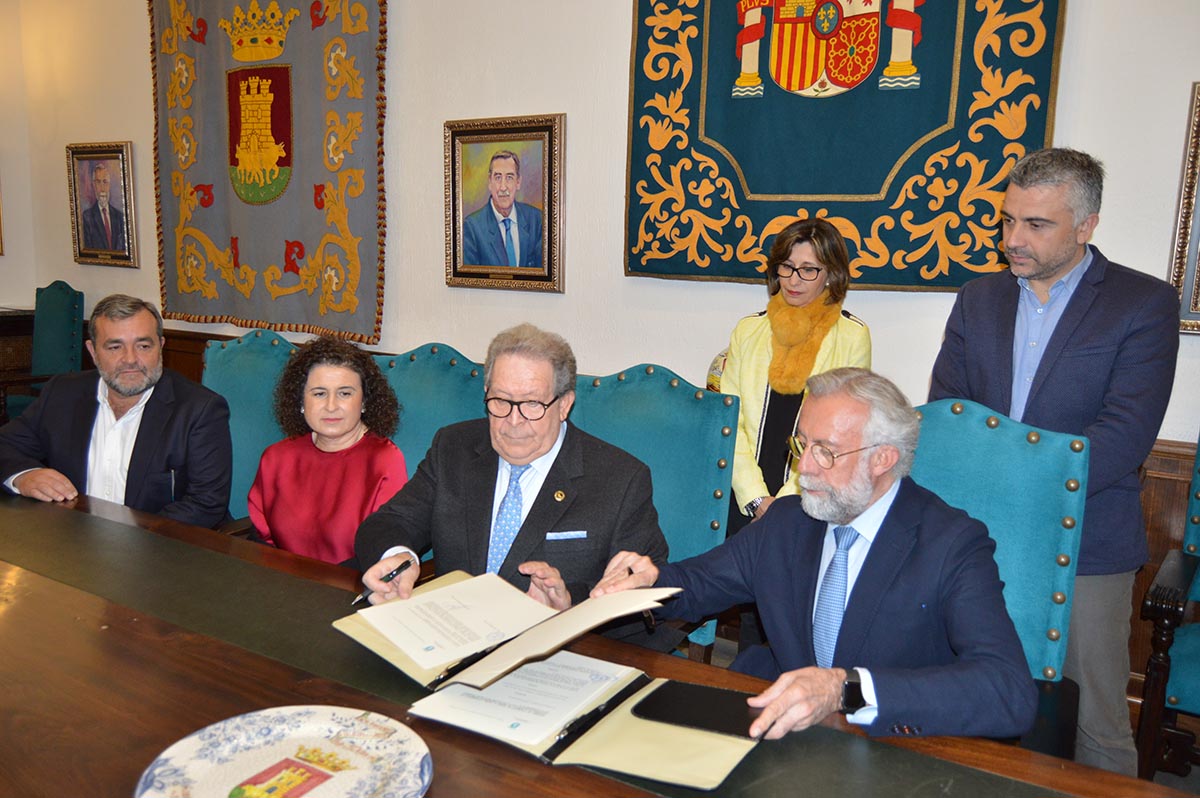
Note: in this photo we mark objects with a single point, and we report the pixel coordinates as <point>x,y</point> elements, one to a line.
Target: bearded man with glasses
<point>523,493</point>
<point>879,599</point>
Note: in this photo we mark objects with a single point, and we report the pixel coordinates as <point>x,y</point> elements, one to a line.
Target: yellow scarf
<point>796,335</point>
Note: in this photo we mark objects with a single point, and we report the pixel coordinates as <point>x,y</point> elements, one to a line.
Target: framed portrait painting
<point>504,180</point>
<point>1187,225</point>
<point>99,180</point>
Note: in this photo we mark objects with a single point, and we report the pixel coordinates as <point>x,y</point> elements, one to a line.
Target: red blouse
<point>310,501</point>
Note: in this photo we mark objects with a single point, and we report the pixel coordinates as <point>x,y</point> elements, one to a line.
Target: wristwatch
<point>752,507</point>
<point>852,695</point>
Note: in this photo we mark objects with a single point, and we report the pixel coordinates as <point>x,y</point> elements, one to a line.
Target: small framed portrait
<point>504,181</point>
<point>1187,225</point>
<point>100,180</point>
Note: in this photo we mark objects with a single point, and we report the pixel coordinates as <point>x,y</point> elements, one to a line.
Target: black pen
<point>361,597</point>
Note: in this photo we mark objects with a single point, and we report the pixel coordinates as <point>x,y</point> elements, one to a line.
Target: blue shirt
<point>1035,324</point>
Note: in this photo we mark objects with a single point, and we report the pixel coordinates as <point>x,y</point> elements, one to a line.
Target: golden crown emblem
<point>322,759</point>
<point>258,35</point>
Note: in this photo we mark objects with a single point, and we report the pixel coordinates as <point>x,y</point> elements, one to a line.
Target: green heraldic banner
<point>269,162</point>
<point>897,120</point>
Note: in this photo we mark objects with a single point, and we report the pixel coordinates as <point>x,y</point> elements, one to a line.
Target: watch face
<point>852,697</point>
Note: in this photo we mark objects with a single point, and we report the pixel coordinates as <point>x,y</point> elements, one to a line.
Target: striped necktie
<point>508,520</point>
<point>831,602</point>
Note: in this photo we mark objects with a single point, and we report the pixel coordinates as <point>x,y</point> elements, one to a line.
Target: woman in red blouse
<point>337,465</point>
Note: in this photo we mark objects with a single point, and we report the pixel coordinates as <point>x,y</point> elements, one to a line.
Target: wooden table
<point>93,686</point>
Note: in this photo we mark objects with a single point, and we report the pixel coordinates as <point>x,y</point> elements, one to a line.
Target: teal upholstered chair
<point>1173,671</point>
<point>1028,486</point>
<point>57,343</point>
<point>685,435</point>
<point>436,386</point>
<point>245,371</point>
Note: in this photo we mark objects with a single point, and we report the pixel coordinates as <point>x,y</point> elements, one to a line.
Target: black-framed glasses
<point>807,273</point>
<point>825,457</point>
<point>530,409</point>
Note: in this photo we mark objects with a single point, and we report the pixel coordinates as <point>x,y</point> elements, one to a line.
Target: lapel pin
<point>559,495</point>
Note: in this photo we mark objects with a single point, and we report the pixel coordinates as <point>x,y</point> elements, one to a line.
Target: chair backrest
<point>436,386</point>
<point>684,434</point>
<point>245,371</point>
<point>57,329</point>
<point>1028,486</point>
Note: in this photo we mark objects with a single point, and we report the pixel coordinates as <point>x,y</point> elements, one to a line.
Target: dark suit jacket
<point>447,505</point>
<point>1106,373</point>
<point>181,461</point>
<point>93,229</point>
<point>483,244</point>
<point>926,616</point>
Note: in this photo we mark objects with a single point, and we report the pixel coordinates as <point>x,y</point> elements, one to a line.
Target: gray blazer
<point>593,487</point>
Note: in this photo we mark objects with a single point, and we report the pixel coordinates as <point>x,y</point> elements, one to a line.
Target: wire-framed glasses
<point>807,273</point>
<point>825,457</point>
<point>530,409</point>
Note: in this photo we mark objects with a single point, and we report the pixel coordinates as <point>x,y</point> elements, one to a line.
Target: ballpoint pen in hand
<point>361,597</point>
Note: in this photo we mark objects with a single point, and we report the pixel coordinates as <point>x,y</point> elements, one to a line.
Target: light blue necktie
<point>831,602</point>
<point>508,520</point>
<point>508,243</point>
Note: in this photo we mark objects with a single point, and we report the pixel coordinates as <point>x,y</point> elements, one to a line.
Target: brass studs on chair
<point>714,525</point>
<point>391,364</point>
<point>274,342</point>
<point>726,431</point>
<point>1059,597</point>
<point>453,361</point>
<point>621,377</point>
<point>992,422</point>
<point>258,333</point>
<point>722,463</point>
<point>433,350</point>
<point>1048,673</point>
<point>413,357</point>
<point>1033,437</point>
<point>649,369</point>
<point>224,344</point>
<point>1191,548</point>
<point>596,383</point>
<point>474,372</point>
<point>1077,445</point>
<point>699,395</point>
<point>718,494</point>
<point>1063,559</point>
<point>729,401</point>
<point>1072,485</point>
<point>1068,522</point>
<point>957,408</point>
<point>674,383</point>
<point>1053,634</point>
<point>1173,700</point>
<point>1195,519</point>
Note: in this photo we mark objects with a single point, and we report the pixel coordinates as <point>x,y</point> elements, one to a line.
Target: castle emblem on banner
<point>823,48</point>
<point>259,103</point>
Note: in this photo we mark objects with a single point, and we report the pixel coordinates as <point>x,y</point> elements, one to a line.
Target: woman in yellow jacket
<point>803,331</point>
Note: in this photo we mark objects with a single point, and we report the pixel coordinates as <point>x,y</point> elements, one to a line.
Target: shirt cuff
<point>866,716</point>
<point>8,483</point>
<point>395,550</point>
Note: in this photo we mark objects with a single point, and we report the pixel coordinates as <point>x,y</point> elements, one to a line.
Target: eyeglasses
<point>530,409</point>
<point>825,457</point>
<point>807,273</point>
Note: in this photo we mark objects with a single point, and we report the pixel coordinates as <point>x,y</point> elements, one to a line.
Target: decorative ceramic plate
<point>314,751</point>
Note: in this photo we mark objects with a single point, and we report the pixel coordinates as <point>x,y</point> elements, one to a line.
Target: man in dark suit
<point>1070,341</point>
<point>523,493</point>
<point>103,225</point>
<point>503,232</point>
<point>131,433</point>
<point>878,599</point>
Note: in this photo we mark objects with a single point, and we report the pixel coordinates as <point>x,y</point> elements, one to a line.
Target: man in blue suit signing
<point>1067,340</point>
<point>503,232</point>
<point>879,599</point>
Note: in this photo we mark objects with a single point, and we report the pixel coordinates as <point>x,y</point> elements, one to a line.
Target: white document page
<point>454,622</point>
<point>531,704</point>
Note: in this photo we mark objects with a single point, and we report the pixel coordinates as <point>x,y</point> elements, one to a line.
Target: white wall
<point>1122,95</point>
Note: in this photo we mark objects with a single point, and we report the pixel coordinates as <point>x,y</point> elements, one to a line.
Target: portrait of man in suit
<point>504,232</point>
<point>103,223</point>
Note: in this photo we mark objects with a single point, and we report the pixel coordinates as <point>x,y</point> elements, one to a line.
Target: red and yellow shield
<point>826,47</point>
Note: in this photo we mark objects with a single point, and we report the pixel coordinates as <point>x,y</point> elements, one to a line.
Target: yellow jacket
<point>745,374</point>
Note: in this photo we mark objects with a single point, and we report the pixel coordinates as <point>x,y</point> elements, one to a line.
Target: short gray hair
<point>528,341</point>
<point>1082,174</point>
<point>891,419</point>
<point>115,307</point>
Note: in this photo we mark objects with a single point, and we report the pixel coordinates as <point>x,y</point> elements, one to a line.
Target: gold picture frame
<point>1187,225</point>
<point>103,221</point>
<point>517,162</point>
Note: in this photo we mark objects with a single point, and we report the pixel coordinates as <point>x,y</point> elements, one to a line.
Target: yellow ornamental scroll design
<point>335,282</point>
<point>183,141</point>
<point>340,72</point>
<point>354,15</point>
<point>195,252</point>
<point>340,138</point>
<point>937,207</point>
<point>179,28</point>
